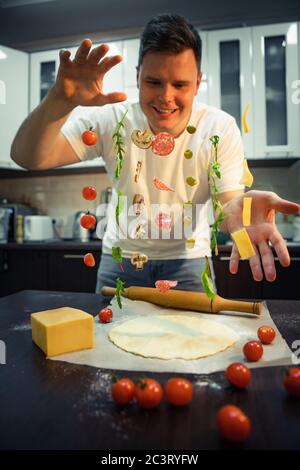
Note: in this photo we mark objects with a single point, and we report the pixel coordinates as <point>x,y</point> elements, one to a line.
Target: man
<point>168,77</point>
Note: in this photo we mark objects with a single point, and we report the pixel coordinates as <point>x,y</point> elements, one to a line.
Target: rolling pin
<point>186,300</point>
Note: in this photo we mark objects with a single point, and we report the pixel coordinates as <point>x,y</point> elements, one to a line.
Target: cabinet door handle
<point>73,256</point>
<point>224,258</point>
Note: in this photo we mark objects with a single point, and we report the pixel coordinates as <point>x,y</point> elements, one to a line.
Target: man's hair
<point>170,34</point>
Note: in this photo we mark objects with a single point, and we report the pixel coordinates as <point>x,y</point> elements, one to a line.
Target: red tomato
<point>292,382</point>
<point>89,193</point>
<point>89,137</point>
<point>148,393</point>
<point>123,391</point>
<point>233,424</point>
<point>253,351</point>
<point>89,260</point>
<point>238,374</point>
<point>266,334</point>
<point>179,391</point>
<point>105,315</point>
<point>88,221</point>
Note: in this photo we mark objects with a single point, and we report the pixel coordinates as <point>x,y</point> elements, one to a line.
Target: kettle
<point>80,233</point>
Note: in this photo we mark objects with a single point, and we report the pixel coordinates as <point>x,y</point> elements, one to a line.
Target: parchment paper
<point>108,356</point>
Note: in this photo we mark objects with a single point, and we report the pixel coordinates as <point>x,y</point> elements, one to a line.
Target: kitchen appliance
<point>38,228</point>
<point>14,210</point>
<point>79,233</point>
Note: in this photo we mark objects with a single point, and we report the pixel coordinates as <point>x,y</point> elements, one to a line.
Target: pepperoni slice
<point>164,286</point>
<point>160,185</point>
<point>163,144</point>
<point>164,220</point>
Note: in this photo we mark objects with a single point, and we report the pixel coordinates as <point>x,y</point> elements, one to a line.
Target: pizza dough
<point>172,337</point>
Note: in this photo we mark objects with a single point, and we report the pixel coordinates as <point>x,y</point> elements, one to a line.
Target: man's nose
<point>166,94</point>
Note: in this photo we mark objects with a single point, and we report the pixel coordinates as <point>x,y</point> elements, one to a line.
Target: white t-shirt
<point>172,170</point>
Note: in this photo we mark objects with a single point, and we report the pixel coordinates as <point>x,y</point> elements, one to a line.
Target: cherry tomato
<point>233,424</point>
<point>89,260</point>
<point>89,137</point>
<point>148,393</point>
<point>89,193</point>
<point>253,351</point>
<point>105,315</point>
<point>292,382</point>
<point>266,334</point>
<point>179,392</point>
<point>88,221</point>
<point>238,374</point>
<point>123,391</point>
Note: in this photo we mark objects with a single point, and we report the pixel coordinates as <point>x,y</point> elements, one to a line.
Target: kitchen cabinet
<point>230,76</point>
<point>243,286</point>
<point>13,99</point>
<point>36,267</point>
<point>276,73</point>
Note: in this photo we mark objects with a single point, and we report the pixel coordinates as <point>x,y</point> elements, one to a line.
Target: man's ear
<point>137,76</point>
<point>199,78</point>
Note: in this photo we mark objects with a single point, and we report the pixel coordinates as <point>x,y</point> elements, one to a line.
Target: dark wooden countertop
<point>60,245</point>
<point>54,405</point>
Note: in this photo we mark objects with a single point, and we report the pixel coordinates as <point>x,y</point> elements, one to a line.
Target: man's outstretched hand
<point>262,231</point>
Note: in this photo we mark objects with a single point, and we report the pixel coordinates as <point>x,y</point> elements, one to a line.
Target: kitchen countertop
<point>54,405</point>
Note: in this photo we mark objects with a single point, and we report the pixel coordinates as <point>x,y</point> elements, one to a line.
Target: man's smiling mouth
<point>164,110</point>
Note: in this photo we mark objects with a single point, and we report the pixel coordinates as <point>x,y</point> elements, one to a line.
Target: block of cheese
<point>247,178</point>
<point>243,243</point>
<point>62,330</point>
<point>247,201</point>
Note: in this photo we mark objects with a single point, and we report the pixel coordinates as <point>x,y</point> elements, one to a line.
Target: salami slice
<point>160,185</point>
<point>164,220</point>
<point>163,144</point>
<point>164,286</point>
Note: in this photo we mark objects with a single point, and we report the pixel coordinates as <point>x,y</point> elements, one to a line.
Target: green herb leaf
<point>207,282</point>
<point>119,291</point>
<point>120,206</point>
<point>117,254</point>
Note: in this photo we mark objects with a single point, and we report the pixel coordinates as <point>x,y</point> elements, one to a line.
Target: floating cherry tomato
<point>179,392</point>
<point>105,315</point>
<point>266,334</point>
<point>253,351</point>
<point>88,221</point>
<point>238,374</point>
<point>123,391</point>
<point>292,382</point>
<point>89,137</point>
<point>148,393</point>
<point>89,260</point>
<point>89,193</point>
<point>233,423</point>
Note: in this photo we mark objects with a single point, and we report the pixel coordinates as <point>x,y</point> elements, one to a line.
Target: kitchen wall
<point>61,196</point>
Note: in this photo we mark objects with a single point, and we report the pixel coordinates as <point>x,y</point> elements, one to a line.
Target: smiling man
<point>168,78</point>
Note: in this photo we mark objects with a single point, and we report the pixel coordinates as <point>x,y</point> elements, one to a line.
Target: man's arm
<point>39,143</point>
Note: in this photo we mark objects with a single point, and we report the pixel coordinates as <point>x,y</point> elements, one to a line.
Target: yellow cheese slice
<point>62,330</point>
<point>247,178</point>
<point>247,201</point>
<point>243,243</point>
<point>245,124</point>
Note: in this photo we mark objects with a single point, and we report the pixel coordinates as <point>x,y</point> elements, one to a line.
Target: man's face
<point>167,86</point>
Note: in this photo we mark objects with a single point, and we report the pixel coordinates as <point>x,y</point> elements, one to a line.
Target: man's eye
<point>179,85</point>
<point>153,83</point>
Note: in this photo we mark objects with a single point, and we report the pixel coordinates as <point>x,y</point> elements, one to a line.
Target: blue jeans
<point>186,271</point>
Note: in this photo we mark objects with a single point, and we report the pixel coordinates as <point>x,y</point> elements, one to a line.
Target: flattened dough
<point>172,337</point>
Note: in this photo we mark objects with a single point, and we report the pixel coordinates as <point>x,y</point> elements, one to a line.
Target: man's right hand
<point>80,81</point>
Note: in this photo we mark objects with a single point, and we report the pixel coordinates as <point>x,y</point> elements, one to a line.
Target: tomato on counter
<point>148,393</point>
<point>234,425</point>
<point>123,391</point>
<point>292,382</point>
<point>105,315</point>
<point>253,351</point>
<point>238,374</point>
<point>179,391</point>
<point>266,334</point>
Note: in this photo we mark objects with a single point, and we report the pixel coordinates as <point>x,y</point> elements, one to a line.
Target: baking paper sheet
<point>106,355</point>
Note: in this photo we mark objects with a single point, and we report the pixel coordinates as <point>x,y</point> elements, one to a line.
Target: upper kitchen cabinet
<point>230,76</point>
<point>13,99</point>
<point>276,73</point>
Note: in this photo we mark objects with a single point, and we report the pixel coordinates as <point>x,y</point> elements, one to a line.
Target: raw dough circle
<point>172,337</point>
